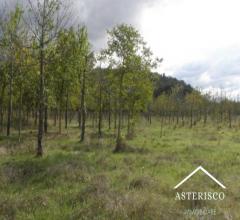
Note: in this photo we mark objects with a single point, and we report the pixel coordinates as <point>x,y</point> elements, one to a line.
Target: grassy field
<point>89,181</point>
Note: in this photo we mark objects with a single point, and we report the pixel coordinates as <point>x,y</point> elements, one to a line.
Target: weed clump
<point>141,182</point>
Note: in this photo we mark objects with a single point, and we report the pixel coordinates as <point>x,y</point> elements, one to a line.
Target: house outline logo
<point>204,171</point>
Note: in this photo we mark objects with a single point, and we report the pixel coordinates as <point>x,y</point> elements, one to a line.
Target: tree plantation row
<point>49,74</point>
<point>193,108</point>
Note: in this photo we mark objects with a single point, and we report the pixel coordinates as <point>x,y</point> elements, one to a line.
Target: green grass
<point>89,181</point>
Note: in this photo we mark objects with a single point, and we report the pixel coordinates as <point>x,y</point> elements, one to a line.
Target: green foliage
<point>165,84</point>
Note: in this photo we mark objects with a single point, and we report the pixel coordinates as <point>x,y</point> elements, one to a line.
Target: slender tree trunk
<point>128,123</point>
<point>109,112</point>
<point>41,101</point>
<point>119,138</point>
<point>93,119</point>
<point>20,114</point>
<point>71,115</point>
<point>221,115</point>
<point>9,117</point>
<point>1,117</point>
<point>162,125</point>
<point>27,118</point>
<point>83,110</point>
<point>169,117</point>
<point>1,109</point>
<point>60,118</point>
<point>115,115</point>
<point>183,122</point>
<point>205,117</point>
<point>79,117</point>
<point>36,115</point>
<point>55,117</point>
<point>149,115</point>
<point>100,114</point>
<point>191,118</point>
<point>177,117</point>
<point>66,111</point>
<point>230,118</point>
<point>46,116</point>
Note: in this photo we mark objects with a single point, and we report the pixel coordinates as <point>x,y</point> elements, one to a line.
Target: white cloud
<point>205,77</point>
<point>199,39</point>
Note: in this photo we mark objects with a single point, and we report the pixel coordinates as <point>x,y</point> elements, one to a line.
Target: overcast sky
<point>198,39</point>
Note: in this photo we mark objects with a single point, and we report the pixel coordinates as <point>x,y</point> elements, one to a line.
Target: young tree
<point>127,51</point>
<point>3,85</point>
<point>64,76</point>
<point>138,94</point>
<point>84,63</point>
<point>11,29</point>
<point>45,21</point>
<point>194,102</point>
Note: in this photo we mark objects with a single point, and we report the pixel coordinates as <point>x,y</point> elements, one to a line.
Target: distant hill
<point>164,84</point>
